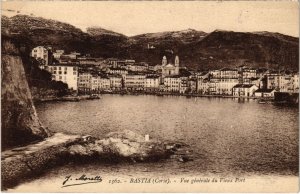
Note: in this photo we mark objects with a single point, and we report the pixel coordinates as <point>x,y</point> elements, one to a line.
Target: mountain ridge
<point>197,49</point>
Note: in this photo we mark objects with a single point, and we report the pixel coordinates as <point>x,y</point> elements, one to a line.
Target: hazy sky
<point>133,17</point>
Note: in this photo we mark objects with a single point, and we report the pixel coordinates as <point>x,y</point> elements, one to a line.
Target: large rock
<point>30,161</point>
<point>20,124</point>
<point>121,145</point>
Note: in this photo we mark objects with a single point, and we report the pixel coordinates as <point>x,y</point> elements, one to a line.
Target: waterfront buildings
<point>264,93</point>
<point>273,81</point>
<point>245,90</point>
<point>283,82</point>
<point>296,83</point>
<point>152,83</point>
<point>134,81</point>
<point>184,85</point>
<point>100,83</point>
<point>98,74</point>
<point>222,86</point>
<point>116,82</point>
<point>66,73</point>
<point>222,81</point>
<point>84,81</point>
<point>172,83</point>
<point>192,85</point>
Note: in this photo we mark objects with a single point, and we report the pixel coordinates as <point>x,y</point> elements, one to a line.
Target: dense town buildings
<point>87,74</point>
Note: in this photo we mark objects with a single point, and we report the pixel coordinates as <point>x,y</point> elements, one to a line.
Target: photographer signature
<point>83,179</point>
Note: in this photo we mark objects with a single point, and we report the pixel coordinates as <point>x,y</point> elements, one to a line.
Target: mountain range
<point>196,49</point>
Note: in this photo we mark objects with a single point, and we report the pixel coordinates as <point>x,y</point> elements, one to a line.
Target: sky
<point>137,17</point>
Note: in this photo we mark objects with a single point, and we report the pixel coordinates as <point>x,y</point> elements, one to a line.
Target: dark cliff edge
<point>20,123</point>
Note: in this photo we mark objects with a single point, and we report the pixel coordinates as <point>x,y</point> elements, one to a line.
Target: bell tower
<point>177,61</point>
<point>177,65</point>
<point>164,61</point>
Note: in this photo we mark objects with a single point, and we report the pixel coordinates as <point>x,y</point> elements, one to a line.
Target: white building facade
<point>40,52</point>
<point>65,73</point>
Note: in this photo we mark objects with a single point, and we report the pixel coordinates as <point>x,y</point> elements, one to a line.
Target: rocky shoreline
<point>22,163</point>
<point>66,98</point>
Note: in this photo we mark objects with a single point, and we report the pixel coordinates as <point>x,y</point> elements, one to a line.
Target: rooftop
<point>173,76</point>
<point>114,75</point>
<point>243,86</point>
<point>228,69</point>
<point>117,68</point>
<point>152,76</point>
<point>265,90</point>
<point>64,65</point>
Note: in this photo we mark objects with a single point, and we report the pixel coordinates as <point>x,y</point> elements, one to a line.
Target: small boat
<point>262,102</point>
<point>93,97</point>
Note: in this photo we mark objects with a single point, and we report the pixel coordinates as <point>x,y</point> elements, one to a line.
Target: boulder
<point>125,144</point>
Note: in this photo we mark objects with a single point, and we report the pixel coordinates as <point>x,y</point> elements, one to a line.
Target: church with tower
<point>169,69</point>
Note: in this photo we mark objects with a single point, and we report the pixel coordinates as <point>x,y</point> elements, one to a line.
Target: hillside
<point>197,49</point>
<point>224,48</point>
<point>99,32</point>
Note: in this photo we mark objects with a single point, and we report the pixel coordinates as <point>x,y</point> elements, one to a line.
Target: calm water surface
<point>227,136</point>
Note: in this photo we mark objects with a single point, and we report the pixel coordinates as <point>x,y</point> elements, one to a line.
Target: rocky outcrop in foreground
<point>26,162</point>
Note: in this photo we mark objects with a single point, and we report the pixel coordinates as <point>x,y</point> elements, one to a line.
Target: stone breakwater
<point>29,161</point>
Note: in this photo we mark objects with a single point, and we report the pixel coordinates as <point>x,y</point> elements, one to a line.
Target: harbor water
<point>227,137</point>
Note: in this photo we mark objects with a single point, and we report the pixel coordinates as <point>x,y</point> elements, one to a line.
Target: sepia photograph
<point>149,96</point>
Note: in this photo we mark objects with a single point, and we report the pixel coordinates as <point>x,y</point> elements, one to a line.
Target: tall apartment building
<point>66,73</point>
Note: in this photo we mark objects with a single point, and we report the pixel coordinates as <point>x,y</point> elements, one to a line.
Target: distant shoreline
<point>87,97</point>
<point>80,97</point>
<point>179,94</point>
